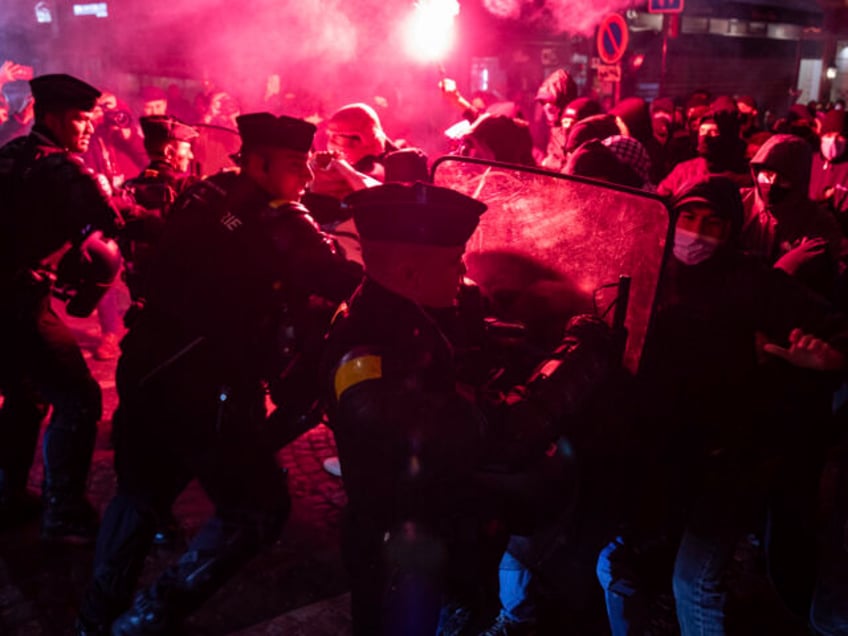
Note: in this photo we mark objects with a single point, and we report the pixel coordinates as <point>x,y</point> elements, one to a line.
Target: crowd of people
<point>475,458</point>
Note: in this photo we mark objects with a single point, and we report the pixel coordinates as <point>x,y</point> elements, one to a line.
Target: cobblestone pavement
<point>298,588</point>
<point>41,585</point>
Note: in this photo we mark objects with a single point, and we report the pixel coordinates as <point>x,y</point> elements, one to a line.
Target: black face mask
<point>773,194</point>
<point>710,147</point>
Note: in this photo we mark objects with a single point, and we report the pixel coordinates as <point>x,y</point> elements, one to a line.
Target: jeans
<point>515,581</point>
<point>731,504</point>
<point>636,579</point>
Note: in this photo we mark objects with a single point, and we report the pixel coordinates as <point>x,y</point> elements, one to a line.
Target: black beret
<point>417,213</point>
<point>264,129</point>
<point>162,128</point>
<point>60,91</point>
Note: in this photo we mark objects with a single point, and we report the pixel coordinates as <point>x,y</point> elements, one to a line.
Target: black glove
<point>87,272</point>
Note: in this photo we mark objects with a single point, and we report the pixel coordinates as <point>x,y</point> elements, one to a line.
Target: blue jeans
<point>637,586</point>
<point>515,581</point>
<point>729,507</point>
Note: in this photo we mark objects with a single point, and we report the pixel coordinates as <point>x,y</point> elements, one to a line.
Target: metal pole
<point>664,62</point>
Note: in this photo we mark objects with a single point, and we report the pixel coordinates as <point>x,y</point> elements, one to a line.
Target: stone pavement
<point>298,587</point>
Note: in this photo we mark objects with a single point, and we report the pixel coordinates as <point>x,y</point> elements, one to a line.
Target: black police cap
<point>59,91</point>
<point>161,128</point>
<point>264,129</point>
<point>417,213</point>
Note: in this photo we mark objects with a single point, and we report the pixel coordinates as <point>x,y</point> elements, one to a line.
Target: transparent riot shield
<point>213,149</point>
<point>551,246</point>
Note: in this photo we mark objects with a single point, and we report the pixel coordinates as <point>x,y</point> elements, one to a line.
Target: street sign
<point>609,72</point>
<point>613,37</point>
<point>665,6</point>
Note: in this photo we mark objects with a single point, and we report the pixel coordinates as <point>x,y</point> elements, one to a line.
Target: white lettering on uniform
<point>230,221</point>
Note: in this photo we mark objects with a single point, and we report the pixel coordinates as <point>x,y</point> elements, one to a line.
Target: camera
<point>117,118</point>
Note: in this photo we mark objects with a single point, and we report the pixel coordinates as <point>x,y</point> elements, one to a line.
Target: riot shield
<point>551,246</point>
<point>213,149</point>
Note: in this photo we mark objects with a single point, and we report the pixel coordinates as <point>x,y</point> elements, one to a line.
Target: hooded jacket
<point>829,179</point>
<point>726,158</point>
<point>700,364</point>
<point>770,230</point>
<point>560,88</point>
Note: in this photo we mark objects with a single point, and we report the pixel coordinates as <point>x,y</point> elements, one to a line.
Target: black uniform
<point>51,203</point>
<point>155,191</point>
<point>426,525</point>
<point>228,304</point>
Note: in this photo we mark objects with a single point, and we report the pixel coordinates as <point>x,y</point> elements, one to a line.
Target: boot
<point>505,626</point>
<point>169,534</point>
<point>68,520</point>
<point>148,615</point>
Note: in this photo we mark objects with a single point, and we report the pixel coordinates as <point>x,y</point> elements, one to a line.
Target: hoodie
<point>772,229</point>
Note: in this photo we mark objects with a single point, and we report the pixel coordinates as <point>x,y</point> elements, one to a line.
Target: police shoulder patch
<point>355,368</point>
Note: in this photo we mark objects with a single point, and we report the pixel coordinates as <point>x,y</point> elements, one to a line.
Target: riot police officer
<point>53,210</point>
<point>167,141</point>
<point>426,526</point>
<point>228,310</point>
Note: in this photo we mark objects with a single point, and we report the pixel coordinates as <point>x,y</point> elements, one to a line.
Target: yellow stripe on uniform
<point>357,370</point>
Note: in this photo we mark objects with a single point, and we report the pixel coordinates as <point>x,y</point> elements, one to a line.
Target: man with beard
<point>53,209</point>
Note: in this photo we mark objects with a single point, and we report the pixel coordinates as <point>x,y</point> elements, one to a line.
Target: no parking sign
<point>613,37</point>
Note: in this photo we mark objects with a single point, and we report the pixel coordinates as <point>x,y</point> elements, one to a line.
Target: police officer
<point>167,141</point>
<point>411,444</point>
<point>227,311</point>
<point>52,211</point>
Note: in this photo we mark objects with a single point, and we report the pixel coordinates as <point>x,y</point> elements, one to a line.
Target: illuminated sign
<point>97,9</point>
<point>665,6</point>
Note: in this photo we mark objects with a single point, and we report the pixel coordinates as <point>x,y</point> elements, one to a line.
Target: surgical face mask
<point>832,147</point>
<point>691,248</point>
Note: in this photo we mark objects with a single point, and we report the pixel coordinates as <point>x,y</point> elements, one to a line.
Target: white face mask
<point>691,248</point>
<point>832,147</point>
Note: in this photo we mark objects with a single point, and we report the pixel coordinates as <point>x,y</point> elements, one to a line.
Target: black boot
<point>83,628</point>
<point>148,615</point>
<point>169,534</point>
<point>67,519</point>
